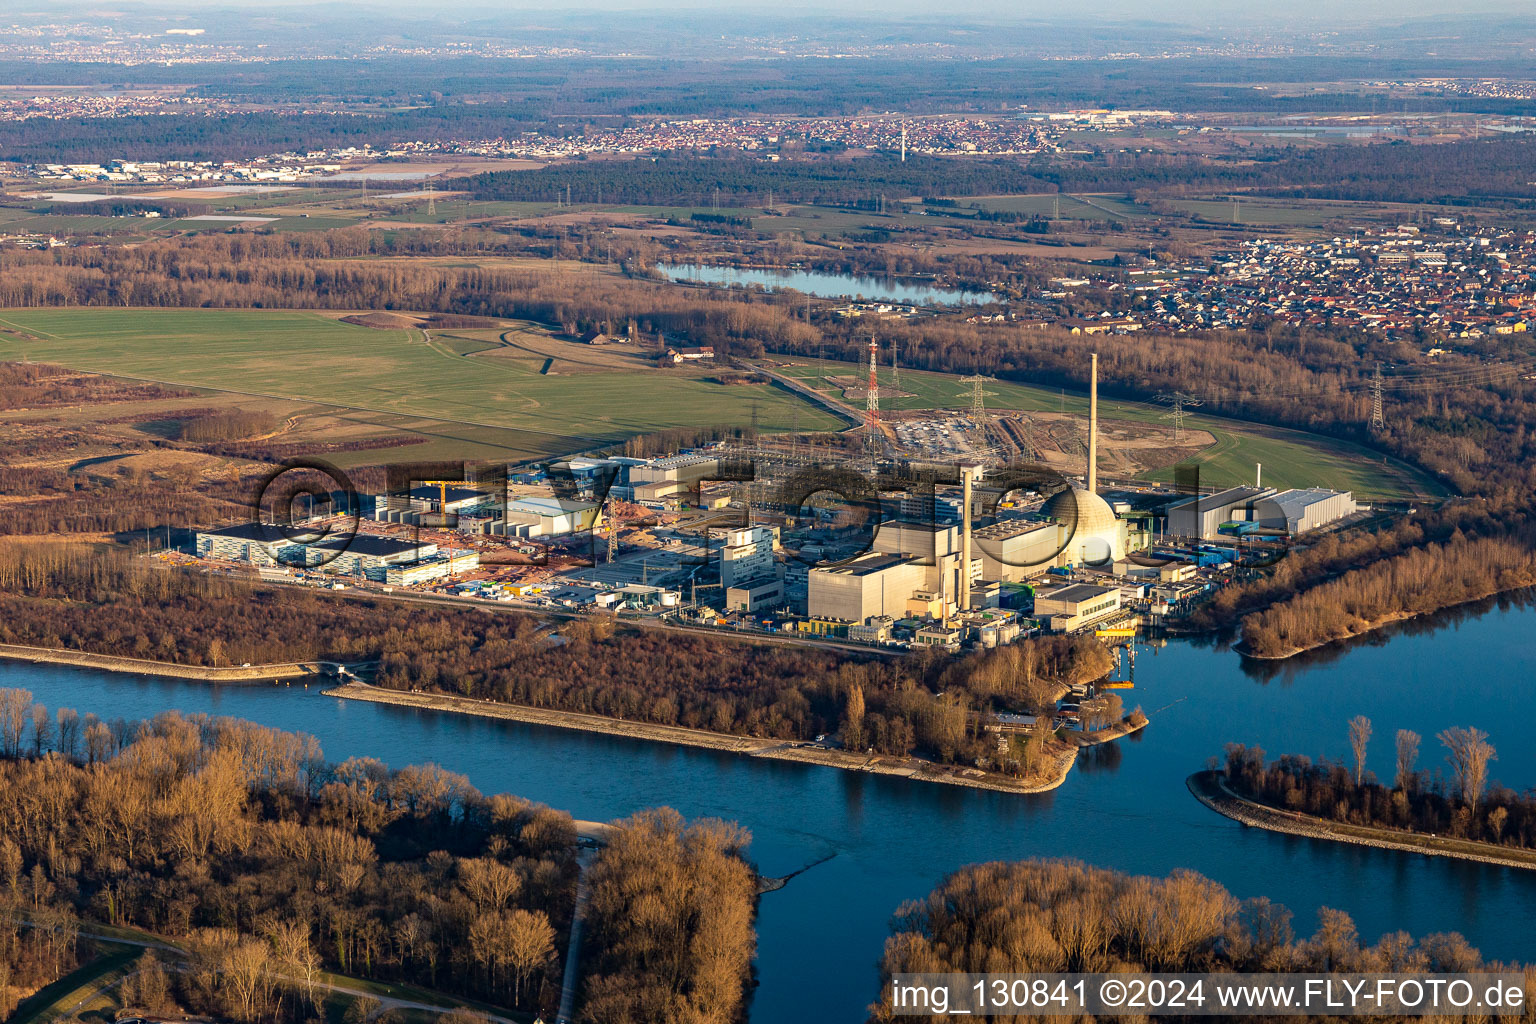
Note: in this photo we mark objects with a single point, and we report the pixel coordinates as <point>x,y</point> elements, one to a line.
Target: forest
<point>270,866</point>
<point>71,596</point>
<point>1418,581</point>
<point>657,878</point>
<point>273,865</point>
<point>1459,802</point>
<point>1063,916</point>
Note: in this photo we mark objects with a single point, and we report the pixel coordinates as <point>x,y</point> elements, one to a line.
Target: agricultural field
<point>1106,206</point>
<point>457,377</point>
<point>1291,458</point>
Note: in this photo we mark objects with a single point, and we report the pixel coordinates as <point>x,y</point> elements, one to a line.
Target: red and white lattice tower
<point>872,393</point>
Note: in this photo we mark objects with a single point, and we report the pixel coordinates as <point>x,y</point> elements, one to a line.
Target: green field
<point>1070,207</point>
<point>1291,458</point>
<point>390,373</point>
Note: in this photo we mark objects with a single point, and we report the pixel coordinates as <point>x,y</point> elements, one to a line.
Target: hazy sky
<point>1185,11</point>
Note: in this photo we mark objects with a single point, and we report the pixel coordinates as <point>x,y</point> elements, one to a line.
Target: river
<point>831,286</point>
<point>1125,806</point>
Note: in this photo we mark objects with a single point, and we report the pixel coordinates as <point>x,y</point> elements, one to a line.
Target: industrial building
<point>925,540</point>
<point>870,585</point>
<point>875,630</point>
<point>668,478</point>
<point>1075,604</point>
<point>1018,549</point>
<point>1202,516</point>
<point>538,516</point>
<point>254,543</point>
<point>747,554</point>
<point>1091,532</point>
<point>755,595</point>
<point>1299,510</point>
<point>358,554</point>
<point>262,544</point>
<point>413,573</point>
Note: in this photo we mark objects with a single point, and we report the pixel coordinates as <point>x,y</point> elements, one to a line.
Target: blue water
<point>832,286</point>
<point>1125,806</point>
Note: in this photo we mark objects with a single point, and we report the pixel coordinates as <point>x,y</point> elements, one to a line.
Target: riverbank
<point>1050,778</point>
<point>1124,727</point>
<point>243,674</point>
<point>1243,649</point>
<point>1210,788</point>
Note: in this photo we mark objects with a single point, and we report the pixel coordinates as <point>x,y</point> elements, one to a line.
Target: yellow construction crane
<point>442,504</point>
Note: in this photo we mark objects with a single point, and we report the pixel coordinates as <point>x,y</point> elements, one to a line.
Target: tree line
<point>1418,581</point>
<point>60,595</point>
<point>1397,171</point>
<point>1459,802</point>
<point>274,865</point>
<point>1063,916</point>
<point>270,865</point>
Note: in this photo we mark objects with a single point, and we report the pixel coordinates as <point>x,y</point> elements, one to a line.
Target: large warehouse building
<point>1201,516</point>
<point>538,516</point>
<point>671,477</point>
<point>255,543</point>
<point>1300,510</point>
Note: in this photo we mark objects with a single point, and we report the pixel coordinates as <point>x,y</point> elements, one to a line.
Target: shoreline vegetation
<point>247,674</point>
<point>1051,775</point>
<point>1029,915</point>
<point>1417,582</point>
<point>1211,789</point>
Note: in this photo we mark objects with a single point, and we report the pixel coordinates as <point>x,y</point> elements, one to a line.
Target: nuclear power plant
<point>961,578</point>
<point>916,528</point>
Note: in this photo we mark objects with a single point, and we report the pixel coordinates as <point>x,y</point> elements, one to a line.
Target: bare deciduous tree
<point>530,944</point>
<point>1469,752</point>
<point>14,707</point>
<point>1407,756</point>
<point>1359,741</point>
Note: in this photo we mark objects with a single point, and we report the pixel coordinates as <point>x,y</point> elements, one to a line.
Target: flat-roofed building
<point>872,584</point>
<point>359,554</point>
<point>255,543</point>
<point>538,516</point>
<point>755,595</point>
<point>1201,516</point>
<point>876,630</point>
<point>747,554</point>
<point>1074,604</point>
<point>669,477</point>
<point>924,541</point>
<point>1017,549</point>
<point>1299,510</point>
<point>413,573</point>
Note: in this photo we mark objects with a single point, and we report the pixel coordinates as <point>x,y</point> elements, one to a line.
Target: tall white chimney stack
<point>1093,427</point>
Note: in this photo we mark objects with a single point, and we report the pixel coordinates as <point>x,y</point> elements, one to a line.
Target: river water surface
<point>832,286</point>
<point>889,839</point>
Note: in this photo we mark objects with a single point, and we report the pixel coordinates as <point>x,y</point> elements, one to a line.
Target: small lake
<point>1125,805</point>
<point>829,286</point>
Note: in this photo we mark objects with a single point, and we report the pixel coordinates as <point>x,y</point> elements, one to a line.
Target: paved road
<point>571,980</point>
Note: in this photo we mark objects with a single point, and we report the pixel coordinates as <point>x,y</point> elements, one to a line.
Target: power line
<point>1378,421</point>
<point>1179,402</point>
